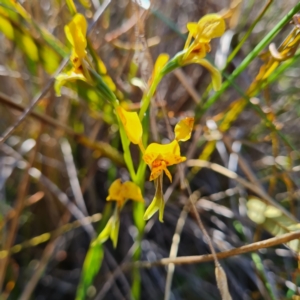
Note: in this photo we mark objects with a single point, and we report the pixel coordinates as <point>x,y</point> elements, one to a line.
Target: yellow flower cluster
<point>119,192</point>
<point>160,156</point>
<point>76,35</point>
<point>209,27</point>
<point>157,156</point>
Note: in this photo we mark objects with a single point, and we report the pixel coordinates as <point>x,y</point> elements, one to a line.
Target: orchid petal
<point>210,26</point>
<point>115,191</point>
<point>214,72</point>
<point>183,129</point>
<point>76,34</point>
<point>192,28</point>
<point>64,78</point>
<point>161,61</point>
<point>120,192</point>
<point>132,125</point>
<point>157,203</point>
<point>132,191</point>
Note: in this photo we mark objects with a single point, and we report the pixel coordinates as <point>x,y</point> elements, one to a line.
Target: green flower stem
<point>109,95</point>
<point>139,208</point>
<point>127,154</point>
<point>251,56</point>
<point>147,97</point>
<point>170,66</point>
<point>138,212</point>
<point>103,88</point>
<point>268,123</point>
<point>245,37</point>
<point>262,272</point>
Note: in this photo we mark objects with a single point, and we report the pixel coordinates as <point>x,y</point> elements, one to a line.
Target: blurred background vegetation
<point>59,157</point>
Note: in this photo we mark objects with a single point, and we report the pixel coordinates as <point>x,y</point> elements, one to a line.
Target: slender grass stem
<point>250,57</point>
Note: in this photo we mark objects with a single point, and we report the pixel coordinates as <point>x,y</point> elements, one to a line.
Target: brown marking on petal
<point>75,60</point>
<point>196,48</point>
<point>157,163</point>
<point>78,70</point>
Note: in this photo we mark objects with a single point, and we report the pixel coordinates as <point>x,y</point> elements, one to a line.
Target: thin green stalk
<point>127,153</point>
<point>262,115</point>
<point>249,31</point>
<point>138,213</point>
<point>109,95</point>
<point>148,96</point>
<point>261,270</point>
<point>169,67</point>
<point>250,57</point>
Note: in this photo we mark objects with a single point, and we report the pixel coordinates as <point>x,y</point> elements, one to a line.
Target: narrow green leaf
<point>250,57</point>
<point>91,266</point>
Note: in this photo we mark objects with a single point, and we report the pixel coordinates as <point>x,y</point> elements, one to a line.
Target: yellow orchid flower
<point>63,78</point>
<point>209,27</point>
<point>158,202</point>
<point>132,125</point>
<point>159,157</point>
<point>76,34</point>
<point>121,192</point>
<point>183,129</point>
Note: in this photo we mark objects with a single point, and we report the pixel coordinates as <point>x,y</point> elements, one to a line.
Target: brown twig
<point>50,82</point>
<point>182,217</point>
<point>230,174</point>
<point>181,76</point>
<point>130,23</point>
<point>72,174</point>
<point>33,103</point>
<point>105,149</point>
<point>18,208</point>
<point>42,264</point>
<point>221,255</point>
<point>61,196</point>
<point>196,259</point>
<point>37,240</point>
<point>221,277</point>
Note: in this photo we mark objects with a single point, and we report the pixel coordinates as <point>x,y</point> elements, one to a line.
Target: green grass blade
<point>91,266</point>
<point>250,57</point>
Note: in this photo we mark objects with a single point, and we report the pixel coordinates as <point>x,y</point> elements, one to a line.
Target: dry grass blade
<point>104,149</point>
<point>123,120</point>
<point>40,269</point>
<point>72,173</point>
<point>33,103</point>
<point>50,82</point>
<point>222,283</point>
<point>196,259</point>
<point>224,171</point>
